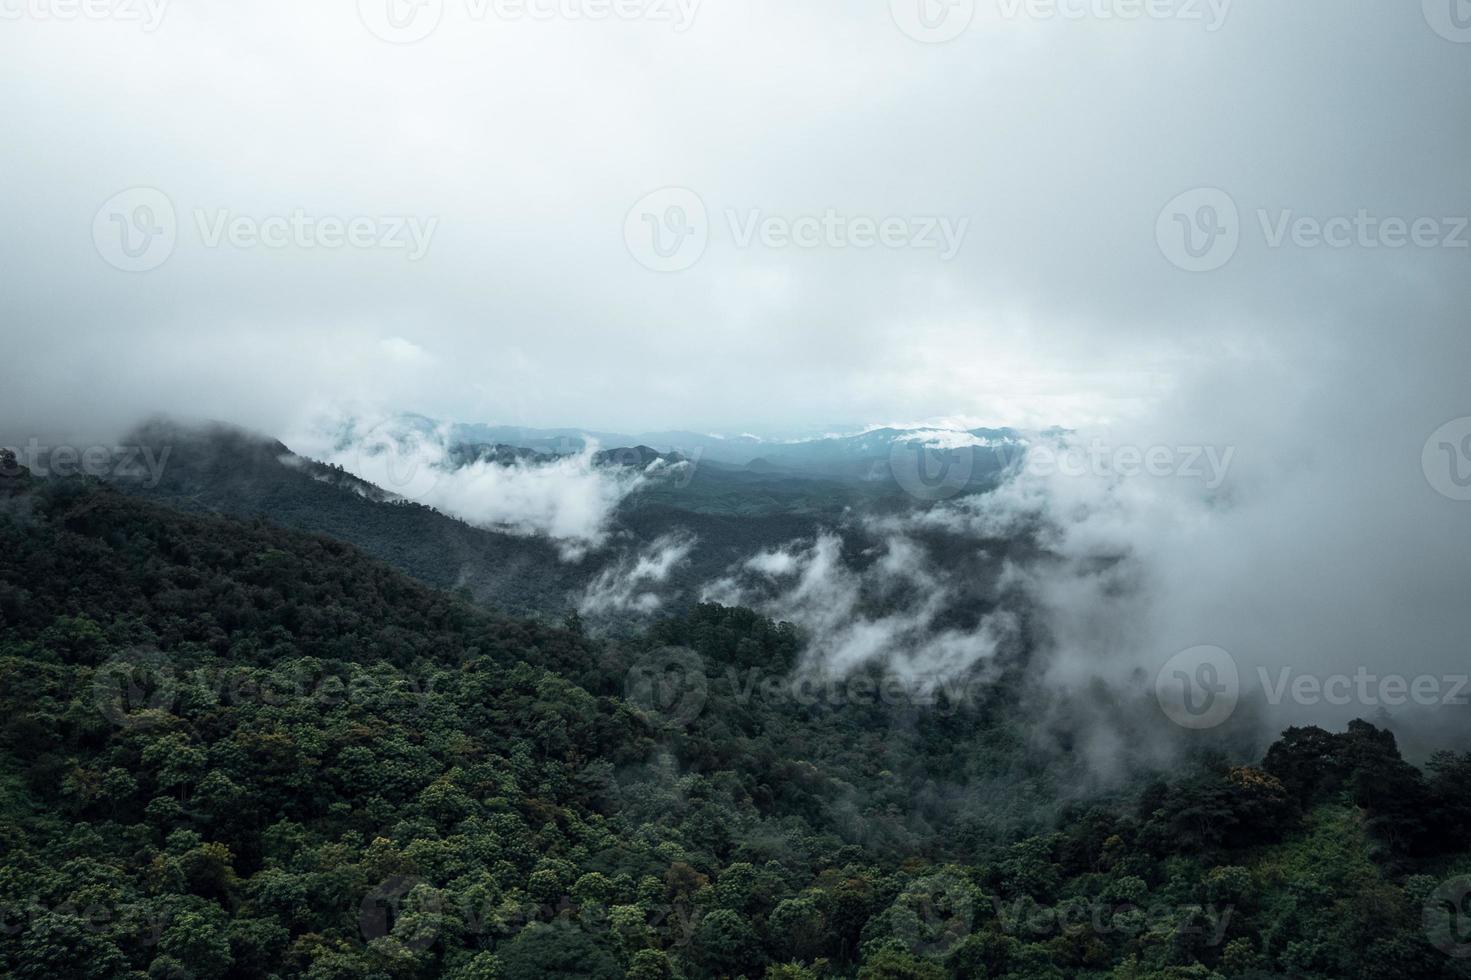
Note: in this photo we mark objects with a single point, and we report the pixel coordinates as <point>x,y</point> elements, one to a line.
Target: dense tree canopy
<point>229,750</point>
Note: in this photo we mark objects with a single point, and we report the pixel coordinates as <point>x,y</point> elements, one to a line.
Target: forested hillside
<point>725,513</point>
<point>222,469</point>
<point>232,750</point>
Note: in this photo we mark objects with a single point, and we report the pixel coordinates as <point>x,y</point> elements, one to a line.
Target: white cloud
<point>773,563</point>
<point>568,499</point>
<point>1060,309</point>
<point>834,601</point>
<point>404,350</point>
<point>632,583</point>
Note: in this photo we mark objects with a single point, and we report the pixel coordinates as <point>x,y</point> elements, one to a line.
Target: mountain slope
<point>726,515</point>
<point>221,469</point>
<point>229,750</point>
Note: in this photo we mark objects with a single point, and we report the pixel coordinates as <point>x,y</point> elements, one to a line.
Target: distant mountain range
<point>730,500</point>
<point>863,456</point>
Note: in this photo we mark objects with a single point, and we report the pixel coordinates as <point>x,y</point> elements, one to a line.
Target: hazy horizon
<point>1229,231</point>
<point>882,223</point>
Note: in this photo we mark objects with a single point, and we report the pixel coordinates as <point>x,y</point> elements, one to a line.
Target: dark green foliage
<point>229,750</point>
<point>551,952</point>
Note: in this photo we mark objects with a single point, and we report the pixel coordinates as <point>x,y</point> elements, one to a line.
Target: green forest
<point>232,750</point>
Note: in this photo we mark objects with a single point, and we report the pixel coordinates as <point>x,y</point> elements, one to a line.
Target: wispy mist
<point>887,610</point>
<point>633,583</point>
<point>568,498</point>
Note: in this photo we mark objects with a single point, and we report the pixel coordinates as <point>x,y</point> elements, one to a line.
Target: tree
<point>889,963</point>
<point>650,964</point>
<point>725,944</point>
<point>200,941</point>
<point>557,950</point>
<point>796,928</point>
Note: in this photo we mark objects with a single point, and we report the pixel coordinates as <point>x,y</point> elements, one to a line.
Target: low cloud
<point>632,584</point>
<point>888,609</point>
<point>569,499</point>
<point>1308,541</point>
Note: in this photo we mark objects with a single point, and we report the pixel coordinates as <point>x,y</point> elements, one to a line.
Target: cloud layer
<point>854,612</point>
<point>633,584</point>
<point>1061,139</point>
<point>569,499</point>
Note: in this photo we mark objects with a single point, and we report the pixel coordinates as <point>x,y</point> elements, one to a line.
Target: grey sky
<point>1315,152</point>
<point>528,140</point>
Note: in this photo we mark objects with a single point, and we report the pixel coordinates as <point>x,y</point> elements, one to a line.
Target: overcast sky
<point>500,166</point>
<point>1167,223</point>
